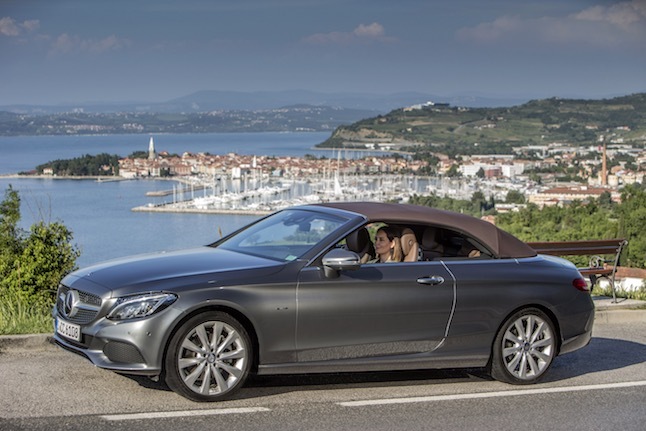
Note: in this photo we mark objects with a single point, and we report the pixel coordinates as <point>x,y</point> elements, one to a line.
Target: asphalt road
<point>600,387</point>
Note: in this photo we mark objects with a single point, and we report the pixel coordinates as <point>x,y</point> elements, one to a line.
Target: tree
<point>515,197</point>
<point>9,218</point>
<point>32,264</point>
<point>453,172</point>
<point>632,219</point>
<point>10,233</point>
<point>605,199</point>
<point>535,178</point>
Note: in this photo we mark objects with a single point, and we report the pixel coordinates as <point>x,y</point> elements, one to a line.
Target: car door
<point>381,309</point>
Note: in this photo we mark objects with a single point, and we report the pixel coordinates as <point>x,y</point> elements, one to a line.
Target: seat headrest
<point>408,240</point>
<point>358,241</point>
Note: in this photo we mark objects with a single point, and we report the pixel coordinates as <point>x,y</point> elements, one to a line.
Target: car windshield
<point>285,236</point>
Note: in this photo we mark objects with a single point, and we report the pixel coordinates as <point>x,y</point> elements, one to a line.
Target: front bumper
<point>130,347</point>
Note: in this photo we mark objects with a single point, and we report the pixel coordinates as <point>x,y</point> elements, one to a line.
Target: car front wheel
<point>524,347</point>
<point>209,357</point>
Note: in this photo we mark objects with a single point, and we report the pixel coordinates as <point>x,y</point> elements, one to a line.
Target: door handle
<point>433,280</point>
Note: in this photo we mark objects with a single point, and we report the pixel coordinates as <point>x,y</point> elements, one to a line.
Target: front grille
<point>118,351</point>
<point>87,308</point>
<point>83,317</point>
<point>90,298</point>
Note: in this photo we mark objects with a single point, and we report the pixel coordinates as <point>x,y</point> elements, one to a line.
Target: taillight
<point>580,284</point>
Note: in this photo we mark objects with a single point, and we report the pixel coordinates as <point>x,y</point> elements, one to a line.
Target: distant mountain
<point>206,101</point>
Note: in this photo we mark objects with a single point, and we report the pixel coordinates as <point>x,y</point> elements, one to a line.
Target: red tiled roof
<point>627,272</point>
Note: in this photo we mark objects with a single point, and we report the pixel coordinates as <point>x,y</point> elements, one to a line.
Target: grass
<point>17,316</point>
<point>639,294</point>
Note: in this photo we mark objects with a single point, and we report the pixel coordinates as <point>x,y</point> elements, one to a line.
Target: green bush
<point>31,266</point>
<point>600,219</point>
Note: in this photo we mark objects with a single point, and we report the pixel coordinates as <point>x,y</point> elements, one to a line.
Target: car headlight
<point>133,307</point>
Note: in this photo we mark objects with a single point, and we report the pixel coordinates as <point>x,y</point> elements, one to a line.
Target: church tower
<point>604,167</point>
<point>151,150</point>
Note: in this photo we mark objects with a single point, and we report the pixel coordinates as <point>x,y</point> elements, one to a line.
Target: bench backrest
<point>579,248</point>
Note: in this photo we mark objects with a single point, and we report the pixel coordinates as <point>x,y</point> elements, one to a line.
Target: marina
<point>237,184</point>
<point>224,195</point>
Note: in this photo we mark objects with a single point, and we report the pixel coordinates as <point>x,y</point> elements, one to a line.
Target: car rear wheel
<point>524,347</point>
<point>209,357</point>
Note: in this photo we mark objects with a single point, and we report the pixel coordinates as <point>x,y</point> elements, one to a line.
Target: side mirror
<point>340,260</point>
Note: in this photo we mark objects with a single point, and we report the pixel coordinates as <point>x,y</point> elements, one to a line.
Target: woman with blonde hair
<point>388,245</point>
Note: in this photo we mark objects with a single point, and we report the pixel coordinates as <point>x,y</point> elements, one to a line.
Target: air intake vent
<point>120,352</point>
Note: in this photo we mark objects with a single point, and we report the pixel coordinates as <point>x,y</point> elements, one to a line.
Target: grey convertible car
<point>296,292</point>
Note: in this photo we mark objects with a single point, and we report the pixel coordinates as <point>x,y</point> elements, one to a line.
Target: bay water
<point>99,213</point>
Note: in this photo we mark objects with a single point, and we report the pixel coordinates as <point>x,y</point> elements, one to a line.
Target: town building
<point>567,195</point>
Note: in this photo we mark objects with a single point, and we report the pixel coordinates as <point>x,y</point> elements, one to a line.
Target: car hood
<point>169,271</point>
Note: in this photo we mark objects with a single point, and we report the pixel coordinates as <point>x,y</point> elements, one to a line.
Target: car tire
<point>208,358</point>
<point>524,348</point>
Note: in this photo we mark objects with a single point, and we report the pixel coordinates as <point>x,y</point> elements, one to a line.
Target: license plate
<point>68,330</point>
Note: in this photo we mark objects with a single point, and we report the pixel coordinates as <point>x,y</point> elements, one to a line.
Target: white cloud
<point>596,26</point>
<point>66,44</point>
<point>109,43</point>
<point>9,27</point>
<point>31,25</point>
<point>63,44</point>
<point>624,15</point>
<point>374,30</point>
<point>363,33</point>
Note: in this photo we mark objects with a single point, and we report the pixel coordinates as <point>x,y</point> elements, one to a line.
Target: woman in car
<point>387,245</point>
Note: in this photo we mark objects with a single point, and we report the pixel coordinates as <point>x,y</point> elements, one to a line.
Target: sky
<point>78,51</point>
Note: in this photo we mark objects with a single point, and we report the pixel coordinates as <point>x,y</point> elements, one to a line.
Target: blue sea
<point>99,213</point>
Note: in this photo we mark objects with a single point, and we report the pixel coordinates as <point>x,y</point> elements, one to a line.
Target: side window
<point>441,243</point>
<point>413,243</point>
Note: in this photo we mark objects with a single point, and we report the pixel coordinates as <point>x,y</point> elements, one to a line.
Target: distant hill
<point>382,103</point>
<point>294,118</point>
<point>204,101</point>
<point>460,130</point>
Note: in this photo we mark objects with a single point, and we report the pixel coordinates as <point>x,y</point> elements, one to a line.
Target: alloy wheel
<point>524,348</point>
<point>211,358</point>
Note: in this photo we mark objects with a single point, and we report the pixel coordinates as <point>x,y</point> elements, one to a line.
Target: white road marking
<point>363,403</point>
<point>185,413</point>
<point>538,391</point>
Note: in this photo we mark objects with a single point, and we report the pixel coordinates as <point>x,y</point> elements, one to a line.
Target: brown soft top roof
<point>501,243</point>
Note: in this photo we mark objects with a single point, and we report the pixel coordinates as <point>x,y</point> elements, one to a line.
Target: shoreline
<point>164,209</point>
<point>99,178</point>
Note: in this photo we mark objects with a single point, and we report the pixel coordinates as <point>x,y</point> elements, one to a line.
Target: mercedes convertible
<point>302,290</point>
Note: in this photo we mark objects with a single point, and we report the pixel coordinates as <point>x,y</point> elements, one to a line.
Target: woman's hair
<point>393,234</point>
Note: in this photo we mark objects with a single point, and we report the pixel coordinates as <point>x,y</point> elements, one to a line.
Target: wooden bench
<point>599,267</point>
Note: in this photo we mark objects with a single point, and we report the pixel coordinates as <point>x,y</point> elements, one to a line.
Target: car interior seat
<point>410,246</point>
<point>360,243</point>
<point>469,250</point>
<point>431,247</point>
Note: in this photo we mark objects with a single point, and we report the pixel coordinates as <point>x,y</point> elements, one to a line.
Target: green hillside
<point>457,130</point>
